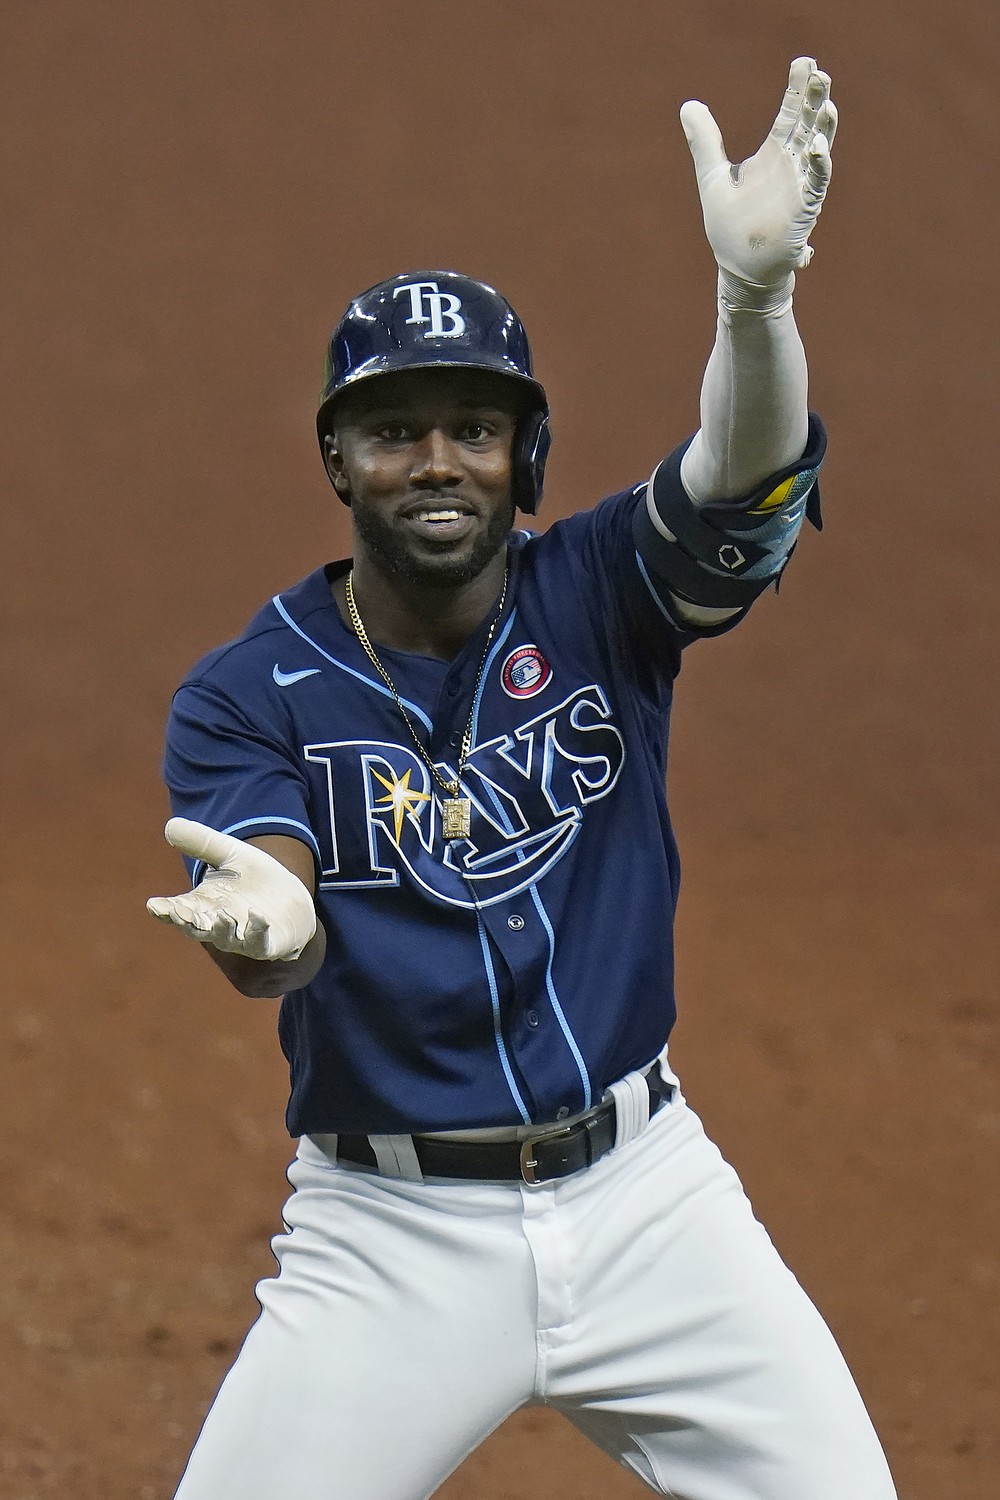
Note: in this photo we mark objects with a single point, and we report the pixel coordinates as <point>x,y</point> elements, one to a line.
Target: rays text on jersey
<point>529,791</point>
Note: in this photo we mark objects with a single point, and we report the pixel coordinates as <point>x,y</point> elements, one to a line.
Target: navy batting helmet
<point>428,319</point>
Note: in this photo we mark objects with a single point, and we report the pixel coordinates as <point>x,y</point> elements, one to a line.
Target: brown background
<point>192,191</point>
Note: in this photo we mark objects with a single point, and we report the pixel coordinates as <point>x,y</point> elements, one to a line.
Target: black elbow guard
<point>725,554</point>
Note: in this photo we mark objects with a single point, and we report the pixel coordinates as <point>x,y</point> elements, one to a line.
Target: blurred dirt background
<point>190,194</point>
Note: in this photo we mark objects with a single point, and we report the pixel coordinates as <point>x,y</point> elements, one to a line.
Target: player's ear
<point>334,460</point>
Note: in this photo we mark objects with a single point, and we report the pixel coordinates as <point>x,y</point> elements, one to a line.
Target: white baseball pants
<point>641,1298</point>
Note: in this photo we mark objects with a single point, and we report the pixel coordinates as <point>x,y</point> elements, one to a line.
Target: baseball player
<point>421,797</point>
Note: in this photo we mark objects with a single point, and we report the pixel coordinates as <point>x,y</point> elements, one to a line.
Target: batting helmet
<point>428,319</point>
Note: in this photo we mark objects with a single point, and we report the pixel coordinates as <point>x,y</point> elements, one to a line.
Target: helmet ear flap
<point>532,441</point>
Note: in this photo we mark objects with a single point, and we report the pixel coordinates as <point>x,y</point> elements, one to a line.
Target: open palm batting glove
<point>246,902</point>
<point>760,213</point>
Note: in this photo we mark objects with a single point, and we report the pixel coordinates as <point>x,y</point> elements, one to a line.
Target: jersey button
<point>562,1111</point>
<point>532,1018</point>
<point>515,923</point>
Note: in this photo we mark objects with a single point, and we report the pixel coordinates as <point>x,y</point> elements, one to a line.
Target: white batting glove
<point>246,902</point>
<point>759,215</point>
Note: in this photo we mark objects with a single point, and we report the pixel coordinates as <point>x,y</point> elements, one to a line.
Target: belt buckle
<point>528,1162</point>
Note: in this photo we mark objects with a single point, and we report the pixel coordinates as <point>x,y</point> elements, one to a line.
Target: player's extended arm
<point>253,909</point>
<point>758,217</point>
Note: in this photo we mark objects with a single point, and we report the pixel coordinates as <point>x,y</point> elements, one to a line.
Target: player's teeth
<point>438,515</point>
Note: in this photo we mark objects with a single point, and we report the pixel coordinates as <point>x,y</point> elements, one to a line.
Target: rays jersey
<point>511,976</point>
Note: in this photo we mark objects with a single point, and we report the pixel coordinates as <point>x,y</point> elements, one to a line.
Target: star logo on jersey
<point>402,798</point>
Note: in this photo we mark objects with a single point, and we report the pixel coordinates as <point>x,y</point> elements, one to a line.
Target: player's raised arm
<point>755,431</point>
<point>252,909</point>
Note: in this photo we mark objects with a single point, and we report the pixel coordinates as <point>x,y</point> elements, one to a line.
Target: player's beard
<point>393,556</point>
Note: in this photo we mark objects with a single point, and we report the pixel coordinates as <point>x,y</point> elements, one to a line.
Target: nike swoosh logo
<point>285,679</point>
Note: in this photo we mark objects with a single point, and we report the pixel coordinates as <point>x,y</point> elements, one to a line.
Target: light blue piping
<point>200,864</point>
<point>501,811</point>
<point>498,1036</point>
<point>501,638</point>
<point>379,687</point>
<point>549,981</point>
<point>554,999</point>
<point>292,823</point>
<point>656,598</point>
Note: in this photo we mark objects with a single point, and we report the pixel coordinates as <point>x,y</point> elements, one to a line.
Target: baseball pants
<point>641,1298</point>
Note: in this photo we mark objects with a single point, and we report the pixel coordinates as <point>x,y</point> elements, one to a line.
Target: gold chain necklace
<point>456,810</point>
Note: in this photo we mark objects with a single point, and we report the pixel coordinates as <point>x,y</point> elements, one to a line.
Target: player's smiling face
<point>425,458</point>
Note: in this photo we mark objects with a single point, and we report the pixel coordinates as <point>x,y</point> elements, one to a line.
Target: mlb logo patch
<point>525,673</point>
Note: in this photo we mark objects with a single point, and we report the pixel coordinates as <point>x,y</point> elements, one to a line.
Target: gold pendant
<point>456,821</point>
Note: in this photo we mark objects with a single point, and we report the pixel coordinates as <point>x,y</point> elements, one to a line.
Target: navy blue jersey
<point>508,977</point>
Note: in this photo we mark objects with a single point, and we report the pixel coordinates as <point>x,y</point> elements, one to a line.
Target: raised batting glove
<point>246,902</point>
<point>759,215</point>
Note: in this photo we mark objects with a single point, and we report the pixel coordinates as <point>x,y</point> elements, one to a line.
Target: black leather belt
<point>539,1158</point>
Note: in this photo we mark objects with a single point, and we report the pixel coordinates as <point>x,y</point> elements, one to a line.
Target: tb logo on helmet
<point>427,291</point>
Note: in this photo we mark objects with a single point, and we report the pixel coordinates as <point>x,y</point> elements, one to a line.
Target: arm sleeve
<point>754,397</point>
<point>238,777</point>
